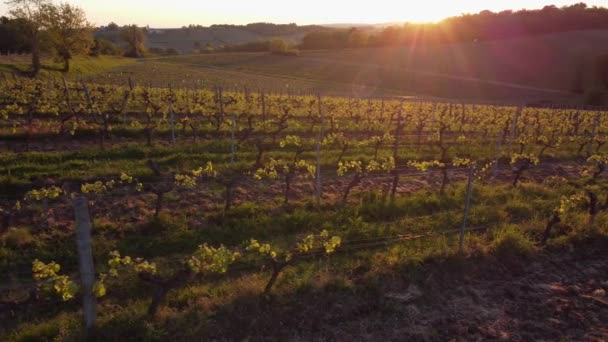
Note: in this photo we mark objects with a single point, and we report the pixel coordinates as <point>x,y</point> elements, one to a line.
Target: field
<point>80,65</point>
<point>184,40</point>
<point>531,69</point>
<point>233,215</point>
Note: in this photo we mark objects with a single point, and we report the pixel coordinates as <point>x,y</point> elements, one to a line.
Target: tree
<point>278,46</point>
<point>357,38</point>
<point>112,26</point>
<point>197,47</point>
<point>104,47</point>
<point>136,38</point>
<point>11,36</point>
<point>32,14</point>
<point>69,31</point>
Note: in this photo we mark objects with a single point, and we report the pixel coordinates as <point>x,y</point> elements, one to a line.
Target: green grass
<point>211,308</point>
<point>80,66</point>
<point>80,158</point>
<point>510,241</point>
<point>215,307</point>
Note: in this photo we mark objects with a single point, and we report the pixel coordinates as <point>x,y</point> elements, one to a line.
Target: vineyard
<point>186,212</point>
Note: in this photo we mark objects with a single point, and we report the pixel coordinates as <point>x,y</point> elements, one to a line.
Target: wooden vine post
<point>398,132</point>
<point>220,95</point>
<point>131,86</point>
<point>94,112</point>
<point>85,257</point>
<point>514,127</point>
<point>171,115</point>
<point>68,102</point>
<point>232,143</point>
<point>467,206</point>
<point>596,123</point>
<point>263,96</point>
<point>498,153</point>
<point>319,185</point>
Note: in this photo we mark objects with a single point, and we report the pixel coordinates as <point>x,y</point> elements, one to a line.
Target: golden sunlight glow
<point>177,13</point>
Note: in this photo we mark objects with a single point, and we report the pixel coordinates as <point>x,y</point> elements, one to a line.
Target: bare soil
<point>559,296</point>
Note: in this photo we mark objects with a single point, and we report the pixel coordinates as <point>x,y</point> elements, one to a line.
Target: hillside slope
<point>539,68</point>
<point>184,40</point>
<point>548,61</point>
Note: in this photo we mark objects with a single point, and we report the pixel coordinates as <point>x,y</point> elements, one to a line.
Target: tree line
<point>482,26</point>
<point>42,26</point>
<point>272,30</point>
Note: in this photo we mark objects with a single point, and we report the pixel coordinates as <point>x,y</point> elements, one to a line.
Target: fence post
<point>498,153</point>
<point>396,151</point>
<point>220,93</point>
<point>467,206</point>
<point>513,128</point>
<point>463,119</point>
<point>596,122</point>
<point>232,146</point>
<point>263,108</point>
<point>319,184</point>
<point>131,84</point>
<point>85,256</point>
<point>89,100</point>
<point>68,97</point>
<point>172,118</point>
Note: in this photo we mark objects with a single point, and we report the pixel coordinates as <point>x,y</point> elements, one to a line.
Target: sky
<point>178,13</point>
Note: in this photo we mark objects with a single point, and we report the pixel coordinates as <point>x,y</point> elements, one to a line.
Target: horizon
<point>186,12</point>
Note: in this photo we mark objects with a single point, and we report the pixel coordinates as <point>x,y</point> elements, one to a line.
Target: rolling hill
<point>537,68</point>
<point>185,39</point>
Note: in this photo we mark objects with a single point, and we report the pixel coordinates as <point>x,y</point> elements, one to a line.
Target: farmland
<point>185,39</point>
<point>530,69</point>
<point>240,171</point>
<point>222,212</point>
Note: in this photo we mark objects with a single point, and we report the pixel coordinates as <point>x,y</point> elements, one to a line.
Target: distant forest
<point>12,39</point>
<point>485,25</point>
<point>273,30</point>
